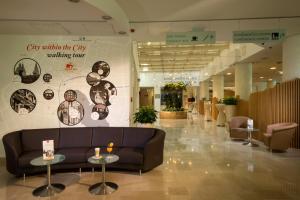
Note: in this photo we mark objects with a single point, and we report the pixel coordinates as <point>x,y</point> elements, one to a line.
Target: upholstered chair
<point>279,136</point>
<point>238,122</point>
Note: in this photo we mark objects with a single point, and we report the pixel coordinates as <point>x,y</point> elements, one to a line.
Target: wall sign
<point>101,90</point>
<point>23,101</point>
<point>258,36</point>
<point>28,69</point>
<point>70,112</point>
<point>48,94</point>
<point>196,37</point>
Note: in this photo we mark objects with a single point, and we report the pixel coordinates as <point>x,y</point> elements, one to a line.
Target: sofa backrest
<point>75,137</point>
<point>137,137</point>
<point>32,139</point>
<point>104,135</point>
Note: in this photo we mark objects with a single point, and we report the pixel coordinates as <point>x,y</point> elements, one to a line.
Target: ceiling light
<point>122,32</point>
<point>145,64</point>
<point>261,77</point>
<point>106,17</point>
<point>280,72</point>
<point>272,68</point>
<point>145,69</point>
<point>148,43</point>
<point>206,74</point>
<point>228,73</point>
<point>270,79</point>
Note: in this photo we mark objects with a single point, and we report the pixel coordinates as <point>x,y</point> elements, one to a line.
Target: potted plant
<point>145,117</point>
<point>230,107</point>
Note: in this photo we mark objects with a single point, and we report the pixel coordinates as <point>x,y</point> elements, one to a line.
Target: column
<point>218,86</point>
<point>243,80</point>
<point>204,90</point>
<point>291,58</point>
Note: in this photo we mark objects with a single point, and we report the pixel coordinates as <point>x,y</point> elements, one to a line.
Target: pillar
<point>291,58</point>
<point>204,90</point>
<point>243,80</point>
<point>218,86</point>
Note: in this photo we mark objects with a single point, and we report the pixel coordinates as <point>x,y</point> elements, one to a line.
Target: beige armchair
<point>279,136</point>
<point>238,122</point>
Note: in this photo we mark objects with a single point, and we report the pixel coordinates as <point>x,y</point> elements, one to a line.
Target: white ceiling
<point>176,10</point>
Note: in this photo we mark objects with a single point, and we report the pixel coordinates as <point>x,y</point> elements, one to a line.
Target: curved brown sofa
<point>138,148</point>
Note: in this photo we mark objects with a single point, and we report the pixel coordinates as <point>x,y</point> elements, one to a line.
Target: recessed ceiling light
<point>261,77</point>
<point>122,32</point>
<point>148,43</point>
<point>272,68</point>
<point>206,74</point>
<point>106,17</point>
<point>228,73</point>
<point>280,72</point>
<point>270,79</point>
<point>145,69</point>
<point>145,64</point>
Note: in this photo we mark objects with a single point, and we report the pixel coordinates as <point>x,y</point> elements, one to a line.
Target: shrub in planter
<point>230,101</point>
<point>145,115</point>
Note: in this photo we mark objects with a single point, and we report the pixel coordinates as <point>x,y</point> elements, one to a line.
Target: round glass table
<point>103,188</point>
<point>51,188</point>
<point>249,131</point>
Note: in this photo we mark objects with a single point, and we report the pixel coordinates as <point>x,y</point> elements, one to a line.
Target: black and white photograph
<point>47,78</point>
<point>102,111</point>
<point>70,95</point>
<point>101,93</point>
<point>23,101</point>
<point>70,113</point>
<point>28,69</point>
<point>48,94</point>
<point>93,79</point>
<point>102,68</point>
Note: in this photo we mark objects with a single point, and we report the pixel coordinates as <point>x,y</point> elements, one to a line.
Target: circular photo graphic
<point>101,93</point>
<point>23,101</point>
<point>93,78</point>
<point>70,113</point>
<point>47,77</point>
<point>70,95</point>
<point>48,94</point>
<point>28,69</point>
<point>102,68</point>
<point>102,111</point>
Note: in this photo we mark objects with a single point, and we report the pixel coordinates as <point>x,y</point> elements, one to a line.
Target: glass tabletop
<point>39,161</point>
<point>103,159</point>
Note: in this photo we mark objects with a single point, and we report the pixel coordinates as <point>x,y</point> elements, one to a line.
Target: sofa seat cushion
<point>74,155</point>
<point>130,155</point>
<point>26,157</point>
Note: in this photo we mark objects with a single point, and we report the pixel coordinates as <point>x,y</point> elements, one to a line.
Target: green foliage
<point>145,115</point>
<point>230,101</point>
<point>172,109</point>
<point>175,86</point>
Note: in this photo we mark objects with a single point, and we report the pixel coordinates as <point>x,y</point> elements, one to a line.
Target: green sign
<point>258,36</point>
<point>201,37</point>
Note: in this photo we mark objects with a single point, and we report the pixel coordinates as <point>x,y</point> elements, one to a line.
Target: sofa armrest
<point>13,149</point>
<point>153,150</point>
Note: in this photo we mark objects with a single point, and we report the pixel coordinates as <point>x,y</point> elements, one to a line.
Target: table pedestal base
<point>47,191</point>
<point>250,144</point>
<point>103,188</point>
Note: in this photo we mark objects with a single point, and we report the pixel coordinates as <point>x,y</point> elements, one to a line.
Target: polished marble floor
<point>201,163</point>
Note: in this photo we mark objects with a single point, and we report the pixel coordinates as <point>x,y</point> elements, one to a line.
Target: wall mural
<point>48,94</point>
<point>70,112</point>
<point>23,101</point>
<point>28,69</point>
<point>101,90</point>
<point>47,77</point>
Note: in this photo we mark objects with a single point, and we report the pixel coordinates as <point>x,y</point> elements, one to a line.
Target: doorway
<point>147,96</point>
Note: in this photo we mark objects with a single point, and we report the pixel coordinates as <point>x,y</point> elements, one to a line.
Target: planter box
<point>173,115</point>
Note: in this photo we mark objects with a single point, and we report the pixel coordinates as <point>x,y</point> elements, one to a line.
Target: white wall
<point>116,51</point>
